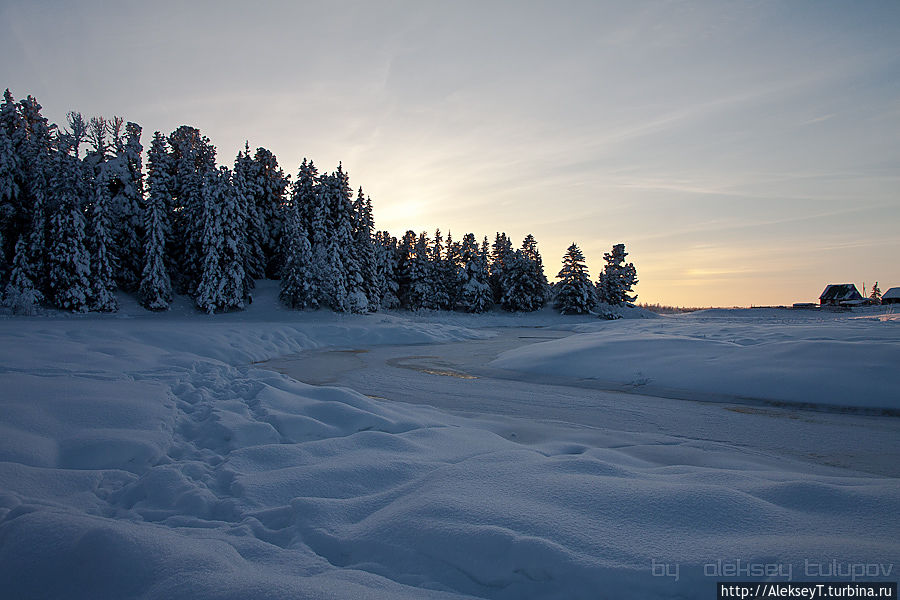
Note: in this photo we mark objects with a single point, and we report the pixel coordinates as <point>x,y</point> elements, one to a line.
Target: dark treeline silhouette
<point>79,219</point>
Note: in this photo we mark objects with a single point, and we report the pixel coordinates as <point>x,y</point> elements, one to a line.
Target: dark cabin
<point>836,294</point>
<point>892,296</point>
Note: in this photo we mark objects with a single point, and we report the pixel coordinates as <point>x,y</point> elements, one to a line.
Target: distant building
<point>840,293</point>
<point>804,305</point>
<point>892,296</point>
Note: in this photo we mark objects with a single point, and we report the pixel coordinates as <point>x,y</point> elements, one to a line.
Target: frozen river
<point>455,377</point>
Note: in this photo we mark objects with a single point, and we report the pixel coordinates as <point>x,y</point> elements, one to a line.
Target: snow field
<point>147,458</point>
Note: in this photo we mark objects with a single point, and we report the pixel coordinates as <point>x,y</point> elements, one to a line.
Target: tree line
<point>79,218</point>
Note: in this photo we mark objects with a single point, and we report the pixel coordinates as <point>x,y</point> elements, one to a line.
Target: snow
<point>772,355</point>
<point>147,455</point>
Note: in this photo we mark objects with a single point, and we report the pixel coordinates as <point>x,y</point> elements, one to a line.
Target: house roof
<point>894,292</point>
<point>840,291</point>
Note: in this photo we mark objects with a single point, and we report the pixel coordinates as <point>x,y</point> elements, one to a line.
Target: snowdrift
<point>769,355</point>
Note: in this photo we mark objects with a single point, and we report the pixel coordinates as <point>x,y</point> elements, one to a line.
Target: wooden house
<point>840,293</point>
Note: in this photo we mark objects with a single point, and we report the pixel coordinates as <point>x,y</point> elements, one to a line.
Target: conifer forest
<point>83,215</point>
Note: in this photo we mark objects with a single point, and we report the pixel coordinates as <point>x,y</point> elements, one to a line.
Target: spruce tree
<point>103,284</point>
<point>269,189</point>
<point>222,282</point>
<point>523,281</point>
<point>210,295</point>
<point>438,275</point>
<point>875,296</point>
<point>319,234</point>
<point>406,249</point>
<point>8,196</point>
<point>11,179</point>
<point>308,201</point>
<point>35,145</point>
<point>234,227</point>
<point>454,271</point>
<point>69,263</point>
<point>501,253</point>
<point>341,279</point>
<point>126,182</point>
<point>192,161</point>
<point>156,287</point>
<point>297,289</point>
<point>476,295</point>
<point>364,244</point>
<point>617,279</point>
<point>531,252</point>
<point>574,291</point>
<point>387,268</point>
<point>419,274</point>
<point>247,187</point>
<point>21,294</point>
<point>36,244</point>
<point>522,289</point>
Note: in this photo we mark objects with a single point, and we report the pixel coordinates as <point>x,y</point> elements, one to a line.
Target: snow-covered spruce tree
<point>454,275</point>
<point>439,299</point>
<point>523,290</point>
<point>297,289</point>
<point>234,242</point>
<point>69,262</point>
<point>269,189</point>
<point>191,161</point>
<point>245,186</point>
<point>309,201</point>
<point>12,178</point>
<point>574,290</point>
<point>420,275</point>
<point>103,285</point>
<point>210,295</point>
<point>21,295</point>
<point>9,192</point>
<point>476,295</point>
<point>345,219</point>
<point>35,147</point>
<point>363,230</point>
<point>617,279</point>
<point>126,183</point>
<point>523,281</point>
<point>320,234</point>
<point>340,278</point>
<point>501,252</point>
<point>531,252</point>
<point>156,288</point>
<point>387,267</point>
<point>406,251</point>
<point>356,286</point>
<point>328,263</point>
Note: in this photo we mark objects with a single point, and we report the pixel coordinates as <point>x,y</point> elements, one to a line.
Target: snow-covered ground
<point>165,456</point>
<point>815,357</point>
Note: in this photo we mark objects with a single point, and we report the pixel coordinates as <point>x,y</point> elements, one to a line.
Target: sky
<point>746,153</point>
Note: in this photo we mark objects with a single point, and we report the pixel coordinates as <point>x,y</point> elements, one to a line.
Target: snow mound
<point>766,355</point>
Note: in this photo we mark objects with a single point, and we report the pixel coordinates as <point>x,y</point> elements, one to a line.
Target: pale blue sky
<point>745,152</point>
